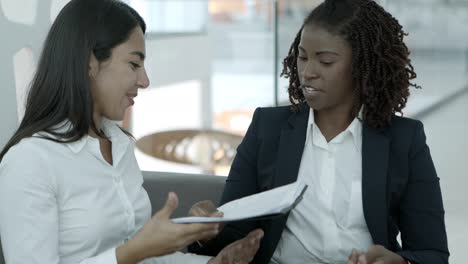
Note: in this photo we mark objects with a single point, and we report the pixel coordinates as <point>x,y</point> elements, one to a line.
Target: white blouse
<point>63,203</point>
<point>329,221</point>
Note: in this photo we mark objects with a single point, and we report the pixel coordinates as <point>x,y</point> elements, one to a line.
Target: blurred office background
<point>212,62</point>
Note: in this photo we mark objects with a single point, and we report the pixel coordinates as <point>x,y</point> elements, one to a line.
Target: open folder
<point>262,205</point>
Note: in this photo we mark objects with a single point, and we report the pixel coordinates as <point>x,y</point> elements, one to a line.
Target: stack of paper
<point>273,202</point>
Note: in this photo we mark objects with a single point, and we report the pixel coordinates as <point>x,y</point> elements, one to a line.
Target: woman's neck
<point>97,118</point>
<point>333,122</point>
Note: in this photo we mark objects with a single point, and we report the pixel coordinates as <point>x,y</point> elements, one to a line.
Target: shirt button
<point>116,179</point>
<point>128,212</point>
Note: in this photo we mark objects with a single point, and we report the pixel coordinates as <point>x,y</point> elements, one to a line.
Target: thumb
<point>362,259</point>
<point>171,205</point>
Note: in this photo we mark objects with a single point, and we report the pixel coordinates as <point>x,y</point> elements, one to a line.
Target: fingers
<point>243,250</point>
<point>252,250</point>
<point>257,233</point>
<point>203,208</point>
<point>189,233</point>
<point>353,258</point>
<point>197,230</point>
<point>171,205</point>
<point>362,259</point>
<point>198,211</point>
<point>217,214</point>
<point>208,235</point>
<point>253,240</point>
<point>200,231</point>
<point>372,255</point>
<point>201,236</point>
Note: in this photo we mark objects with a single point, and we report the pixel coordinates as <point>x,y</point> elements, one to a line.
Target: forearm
<point>127,254</point>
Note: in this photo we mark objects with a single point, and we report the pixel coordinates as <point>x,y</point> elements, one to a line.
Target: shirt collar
<point>355,128</point>
<point>109,127</point>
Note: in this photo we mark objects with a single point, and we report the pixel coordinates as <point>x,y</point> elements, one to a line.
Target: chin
<point>120,116</point>
<point>316,105</point>
<point>116,117</point>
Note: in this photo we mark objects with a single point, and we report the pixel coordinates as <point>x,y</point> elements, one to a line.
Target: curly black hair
<point>381,67</point>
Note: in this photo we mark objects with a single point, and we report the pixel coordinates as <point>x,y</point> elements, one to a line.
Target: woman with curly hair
<point>369,170</point>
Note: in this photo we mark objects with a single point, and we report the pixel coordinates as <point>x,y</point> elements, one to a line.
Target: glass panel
<point>55,7</point>
<point>19,11</point>
<point>291,14</point>
<point>175,16</point>
<point>438,40</point>
<point>242,64</point>
<point>232,59</point>
<point>231,63</point>
<point>24,67</point>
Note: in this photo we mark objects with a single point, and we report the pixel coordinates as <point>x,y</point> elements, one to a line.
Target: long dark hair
<point>381,67</point>
<point>60,89</point>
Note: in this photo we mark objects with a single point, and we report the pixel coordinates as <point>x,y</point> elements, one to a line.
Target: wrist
<point>128,253</point>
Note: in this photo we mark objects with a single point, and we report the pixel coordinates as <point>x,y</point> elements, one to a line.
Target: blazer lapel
<point>291,146</point>
<point>375,154</point>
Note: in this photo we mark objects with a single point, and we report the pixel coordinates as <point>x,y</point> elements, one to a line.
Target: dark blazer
<point>400,187</point>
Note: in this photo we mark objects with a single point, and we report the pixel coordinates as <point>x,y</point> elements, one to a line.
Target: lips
<point>130,97</point>
<point>310,89</point>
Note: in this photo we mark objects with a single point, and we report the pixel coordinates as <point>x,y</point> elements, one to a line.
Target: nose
<point>309,72</point>
<point>143,80</point>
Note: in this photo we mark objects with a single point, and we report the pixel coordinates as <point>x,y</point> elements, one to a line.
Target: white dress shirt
<point>63,203</point>
<point>329,221</point>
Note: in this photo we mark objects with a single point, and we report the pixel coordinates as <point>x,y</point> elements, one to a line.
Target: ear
<point>93,67</point>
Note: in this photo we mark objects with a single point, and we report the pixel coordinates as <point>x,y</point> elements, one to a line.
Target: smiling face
<point>324,68</point>
<point>115,81</point>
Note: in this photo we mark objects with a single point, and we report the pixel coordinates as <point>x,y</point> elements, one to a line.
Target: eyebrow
<point>327,52</point>
<point>322,52</point>
<point>139,54</point>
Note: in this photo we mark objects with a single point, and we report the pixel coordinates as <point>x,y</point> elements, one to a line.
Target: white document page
<point>272,202</point>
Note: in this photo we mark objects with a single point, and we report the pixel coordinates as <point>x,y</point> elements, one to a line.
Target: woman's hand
<point>206,209</point>
<point>376,255</point>
<point>159,236</point>
<point>353,258</point>
<point>240,252</point>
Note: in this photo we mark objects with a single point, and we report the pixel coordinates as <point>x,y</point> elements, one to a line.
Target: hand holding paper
<point>276,201</point>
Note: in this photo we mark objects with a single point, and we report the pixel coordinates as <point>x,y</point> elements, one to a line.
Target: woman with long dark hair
<point>70,187</point>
